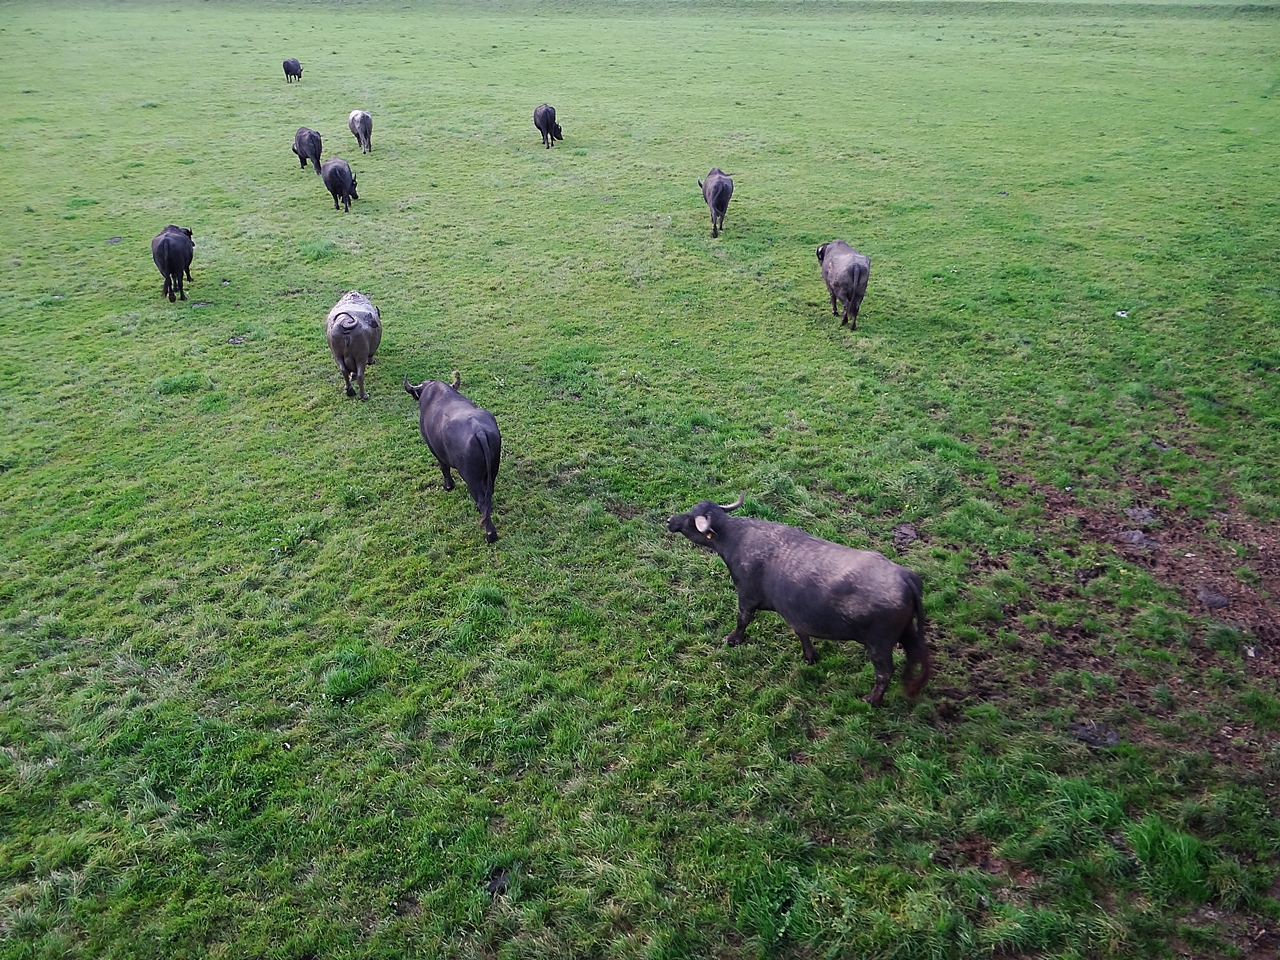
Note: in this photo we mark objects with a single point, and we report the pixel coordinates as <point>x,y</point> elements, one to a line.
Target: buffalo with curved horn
<point>821,589</point>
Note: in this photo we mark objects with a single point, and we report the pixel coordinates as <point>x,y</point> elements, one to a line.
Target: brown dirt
<point>1198,558</point>
<point>1192,554</point>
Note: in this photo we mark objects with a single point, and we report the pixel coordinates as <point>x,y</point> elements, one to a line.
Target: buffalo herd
<point>823,590</point>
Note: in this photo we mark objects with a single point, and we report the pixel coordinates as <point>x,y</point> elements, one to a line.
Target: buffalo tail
<point>916,648</point>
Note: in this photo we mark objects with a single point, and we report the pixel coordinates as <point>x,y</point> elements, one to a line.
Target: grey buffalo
<point>340,181</point>
<point>845,270</point>
<point>354,330</point>
<point>462,436</point>
<point>307,146</point>
<point>361,124</point>
<point>544,118</point>
<point>821,589</point>
<point>716,190</point>
<point>172,250</point>
<point>292,70</point>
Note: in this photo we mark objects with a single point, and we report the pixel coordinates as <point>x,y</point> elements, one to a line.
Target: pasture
<point>266,692</point>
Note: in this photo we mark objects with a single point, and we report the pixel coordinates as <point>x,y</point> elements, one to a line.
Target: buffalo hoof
<point>351,391</point>
<point>364,396</point>
<point>491,536</point>
<point>872,699</point>
<point>733,639</point>
<point>811,658</point>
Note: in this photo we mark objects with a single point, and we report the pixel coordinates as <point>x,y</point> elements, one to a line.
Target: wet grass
<point>266,692</point>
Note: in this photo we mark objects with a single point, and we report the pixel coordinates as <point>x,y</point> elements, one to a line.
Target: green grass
<point>266,692</point>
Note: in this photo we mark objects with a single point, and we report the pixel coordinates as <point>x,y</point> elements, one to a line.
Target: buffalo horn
<point>730,507</point>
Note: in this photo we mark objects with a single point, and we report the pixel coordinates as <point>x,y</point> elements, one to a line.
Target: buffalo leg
<point>360,381</point>
<point>448,476</point>
<point>810,654</point>
<point>834,311</point>
<point>738,635</point>
<point>880,650</point>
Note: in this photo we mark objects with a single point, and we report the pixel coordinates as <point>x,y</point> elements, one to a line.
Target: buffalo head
<point>701,524</point>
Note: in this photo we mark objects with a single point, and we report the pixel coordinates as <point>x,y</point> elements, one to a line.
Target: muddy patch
<point>1227,564</point>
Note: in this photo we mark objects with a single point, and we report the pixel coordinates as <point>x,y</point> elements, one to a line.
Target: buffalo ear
<point>702,523</point>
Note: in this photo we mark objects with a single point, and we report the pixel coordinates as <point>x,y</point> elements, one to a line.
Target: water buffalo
<point>716,190</point>
<point>172,250</point>
<point>845,270</point>
<point>354,329</point>
<point>340,181</point>
<point>306,145</point>
<point>462,436</point>
<point>292,69</point>
<point>822,589</point>
<point>361,124</point>
<point>544,118</point>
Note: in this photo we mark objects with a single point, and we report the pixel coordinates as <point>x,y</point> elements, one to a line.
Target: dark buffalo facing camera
<point>340,181</point>
<point>821,589</point>
<point>172,250</point>
<point>544,118</point>
<point>845,271</point>
<point>716,190</point>
<point>307,146</point>
<point>461,436</point>
<point>292,70</point>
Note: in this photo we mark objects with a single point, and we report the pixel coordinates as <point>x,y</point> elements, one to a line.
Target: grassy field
<point>266,692</point>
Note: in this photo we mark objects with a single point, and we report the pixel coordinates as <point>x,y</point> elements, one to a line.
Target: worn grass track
<point>264,690</point>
